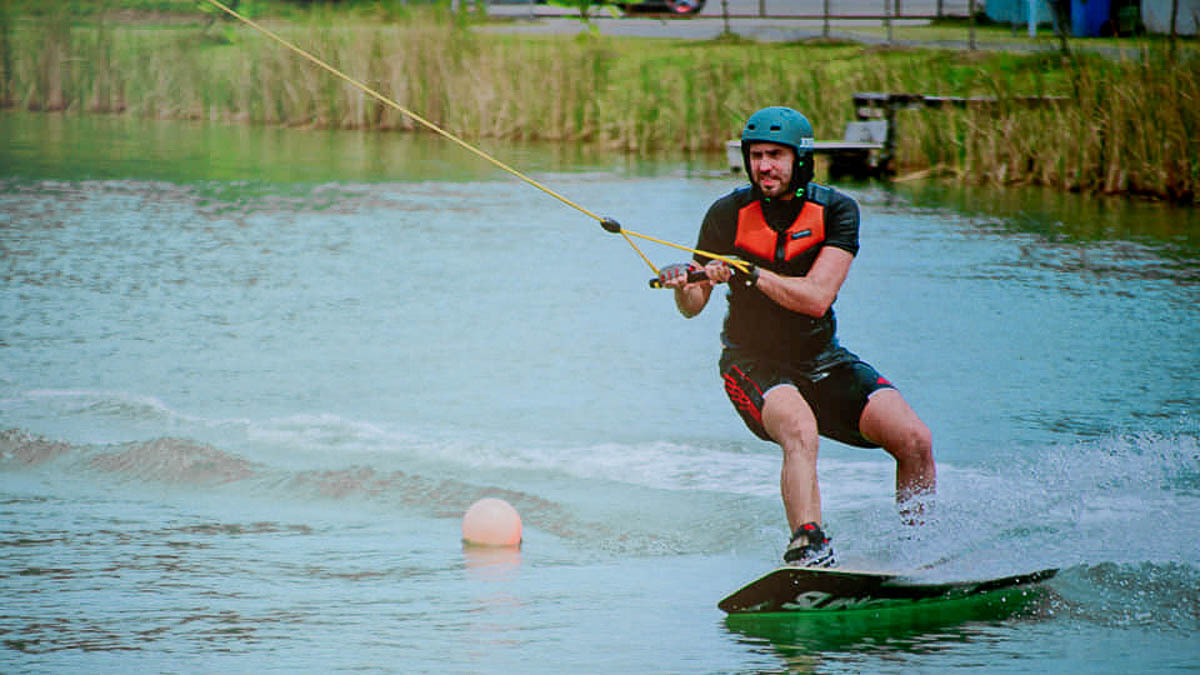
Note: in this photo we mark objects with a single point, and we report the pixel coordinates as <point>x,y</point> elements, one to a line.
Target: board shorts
<point>837,394</point>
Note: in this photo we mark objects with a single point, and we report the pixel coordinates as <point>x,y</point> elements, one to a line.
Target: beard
<point>774,185</point>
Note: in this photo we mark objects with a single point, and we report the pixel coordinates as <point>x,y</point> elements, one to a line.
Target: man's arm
<point>715,235</point>
<point>811,294</point>
<point>814,293</point>
<point>690,298</point>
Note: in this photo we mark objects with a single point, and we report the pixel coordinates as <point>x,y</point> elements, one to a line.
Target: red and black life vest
<point>756,238</point>
<point>790,251</point>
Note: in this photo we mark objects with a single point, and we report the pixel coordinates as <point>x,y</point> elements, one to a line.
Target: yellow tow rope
<point>607,223</point>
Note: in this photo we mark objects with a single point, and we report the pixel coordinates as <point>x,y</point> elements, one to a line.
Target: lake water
<point>250,380</point>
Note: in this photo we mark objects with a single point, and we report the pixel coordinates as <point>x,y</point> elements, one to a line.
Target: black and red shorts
<point>837,394</point>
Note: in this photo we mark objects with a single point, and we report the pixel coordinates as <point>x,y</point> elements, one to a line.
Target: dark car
<point>678,7</point>
<point>681,7</point>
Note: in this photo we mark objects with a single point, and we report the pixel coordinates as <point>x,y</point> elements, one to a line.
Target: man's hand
<point>692,285</point>
<point>720,272</point>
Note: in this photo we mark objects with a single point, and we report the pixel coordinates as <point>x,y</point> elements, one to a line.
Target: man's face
<point>771,168</point>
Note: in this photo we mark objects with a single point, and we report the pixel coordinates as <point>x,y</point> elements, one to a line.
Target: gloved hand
<point>749,277</point>
<point>678,274</point>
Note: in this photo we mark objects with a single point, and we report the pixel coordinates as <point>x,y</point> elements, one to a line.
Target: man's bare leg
<point>889,421</point>
<point>788,419</point>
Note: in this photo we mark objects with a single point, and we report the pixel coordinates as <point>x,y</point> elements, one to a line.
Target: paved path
<point>544,19</point>
<point>743,8</point>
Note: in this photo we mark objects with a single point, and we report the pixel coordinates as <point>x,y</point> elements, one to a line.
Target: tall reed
<point>6,56</point>
<point>1128,126</point>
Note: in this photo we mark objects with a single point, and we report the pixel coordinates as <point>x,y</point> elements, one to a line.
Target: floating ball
<point>491,522</point>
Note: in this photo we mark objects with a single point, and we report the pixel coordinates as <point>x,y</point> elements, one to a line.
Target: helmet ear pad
<point>802,171</point>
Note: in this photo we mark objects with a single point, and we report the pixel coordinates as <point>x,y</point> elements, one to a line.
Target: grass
<point>1131,124</point>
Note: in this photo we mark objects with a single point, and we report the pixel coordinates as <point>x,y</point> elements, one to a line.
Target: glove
<point>748,278</point>
<point>672,272</point>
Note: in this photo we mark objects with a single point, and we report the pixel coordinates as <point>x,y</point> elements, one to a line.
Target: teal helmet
<point>778,124</point>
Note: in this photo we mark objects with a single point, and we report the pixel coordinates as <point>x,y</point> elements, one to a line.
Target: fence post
<point>889,141</point>
<point>887,18</point>
<point>971,26</point>
<point>825,30</point>
<point>1174,32</point>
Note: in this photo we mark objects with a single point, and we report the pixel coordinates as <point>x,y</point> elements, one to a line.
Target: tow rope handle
<point>692,277</point>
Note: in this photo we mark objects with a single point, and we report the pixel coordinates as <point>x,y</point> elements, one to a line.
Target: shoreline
<point>1123,132</point>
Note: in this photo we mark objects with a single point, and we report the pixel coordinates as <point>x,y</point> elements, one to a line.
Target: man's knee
<point>889,421</point>
<point>790,421</point>
<point>913,443</point>
<point>797,437</point>
<point>796,426</point>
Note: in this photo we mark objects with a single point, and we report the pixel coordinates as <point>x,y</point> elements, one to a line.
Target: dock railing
<point>868,145</point>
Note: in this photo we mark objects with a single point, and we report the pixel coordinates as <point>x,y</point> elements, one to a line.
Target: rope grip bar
<point>692,277</point>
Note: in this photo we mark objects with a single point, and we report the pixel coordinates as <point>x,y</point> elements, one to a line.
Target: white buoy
<point>491,522</point>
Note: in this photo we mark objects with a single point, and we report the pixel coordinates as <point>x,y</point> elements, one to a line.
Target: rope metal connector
<point>611,225</point>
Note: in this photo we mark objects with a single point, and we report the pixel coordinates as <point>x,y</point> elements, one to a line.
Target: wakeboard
<point>807,589</point>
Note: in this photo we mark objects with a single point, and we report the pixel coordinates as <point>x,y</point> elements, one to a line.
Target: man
<point>783,368</point>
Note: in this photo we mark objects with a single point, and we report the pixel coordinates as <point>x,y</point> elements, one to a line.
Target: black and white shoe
<point>809,548</point>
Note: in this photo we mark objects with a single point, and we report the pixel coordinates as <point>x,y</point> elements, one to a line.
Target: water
<point>251,379</point>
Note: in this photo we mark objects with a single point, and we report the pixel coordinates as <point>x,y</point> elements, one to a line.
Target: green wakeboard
<point>807,589</point>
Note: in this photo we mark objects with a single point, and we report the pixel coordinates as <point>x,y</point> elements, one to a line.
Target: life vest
<point>756,238</point>
<point>755,322</point>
